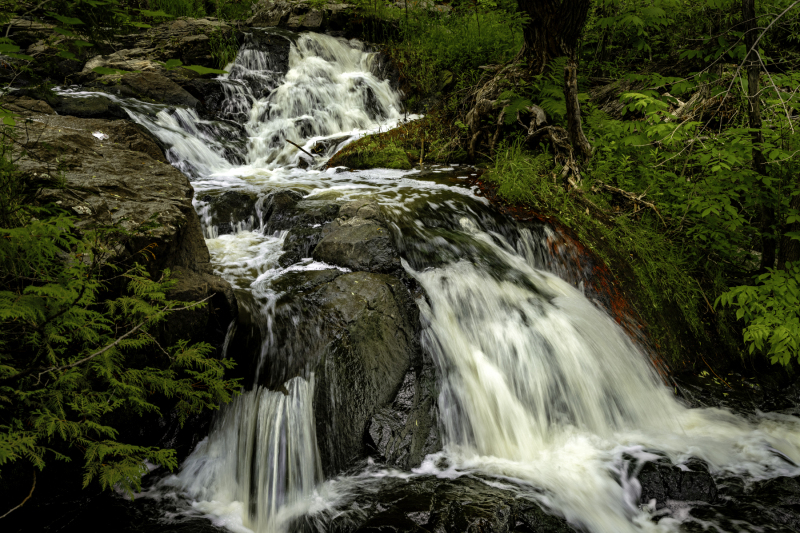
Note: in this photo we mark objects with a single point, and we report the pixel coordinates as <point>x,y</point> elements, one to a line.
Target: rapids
<point>540,390</point>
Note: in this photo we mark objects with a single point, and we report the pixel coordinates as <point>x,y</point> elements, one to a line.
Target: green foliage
<point>439,52</point>
<point>78,363</point>
<point>545,90</point>
<point>771,310</point>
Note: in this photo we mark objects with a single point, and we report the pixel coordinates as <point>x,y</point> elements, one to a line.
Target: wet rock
<point>209,93</point>
<point>406,431</point>
<point>358,244</point>
<point>442,505</point>
<point>115,174</point>
<point>299,244</point>
<point>364,366</point>
<point>358,333</point>
<point>88,107</point>
<point>230,208</point>
<point>284,210</point>
<point>158,88</point>
<point>663,482</point>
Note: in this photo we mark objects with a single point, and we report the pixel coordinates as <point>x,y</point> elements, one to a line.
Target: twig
<point>28,497</point>
<point>712,371</point>
<point>631,196</point>
<point>300,148</point>
<point>704,297</point>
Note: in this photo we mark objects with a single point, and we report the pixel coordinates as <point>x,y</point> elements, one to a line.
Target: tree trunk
<point>554,30</point>
<point>790,248</point>
<point>768,241</point>
<point>580,144</point>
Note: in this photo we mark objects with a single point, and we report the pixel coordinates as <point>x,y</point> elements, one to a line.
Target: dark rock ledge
<point>114,173</point>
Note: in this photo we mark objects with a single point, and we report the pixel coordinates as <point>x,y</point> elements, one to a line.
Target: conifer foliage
<point>78,359</point>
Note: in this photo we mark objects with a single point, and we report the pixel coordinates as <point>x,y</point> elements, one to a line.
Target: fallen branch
<point>300,148</point>
<point>632,197</point>
<point>28,497</point>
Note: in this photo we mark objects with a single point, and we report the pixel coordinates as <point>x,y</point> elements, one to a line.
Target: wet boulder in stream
<point>358,240</point>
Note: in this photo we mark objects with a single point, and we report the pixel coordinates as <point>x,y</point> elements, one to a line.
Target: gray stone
<point>125,180</point>
<point>358,244</point>
<point>365,208</point>
<point>363,368</point>
<point>159,88</point>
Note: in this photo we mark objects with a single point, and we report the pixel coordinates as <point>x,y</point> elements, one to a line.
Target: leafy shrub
<point>771,310</point>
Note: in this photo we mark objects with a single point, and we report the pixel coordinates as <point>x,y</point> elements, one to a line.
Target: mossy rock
<point>372,156</point>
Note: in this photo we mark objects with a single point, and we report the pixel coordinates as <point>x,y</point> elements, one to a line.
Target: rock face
<point>189,40</point>
<point>114,173</point>
<point>357,244</point>
<point>300,15</point>
<point>357,332</point>
<point>443,505</point>
<point>664,482</point>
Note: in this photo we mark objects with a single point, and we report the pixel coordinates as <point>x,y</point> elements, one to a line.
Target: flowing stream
<point>539,388</point>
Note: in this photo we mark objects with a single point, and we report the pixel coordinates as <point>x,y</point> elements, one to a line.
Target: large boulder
<point>114,173</point>
<point>358,333</point>
<point>373,347</point>
<point>358,240</point>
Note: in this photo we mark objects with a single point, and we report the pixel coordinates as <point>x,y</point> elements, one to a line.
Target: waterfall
<point>540,388</point>
<point>544,387</point>
<point>259,461</point>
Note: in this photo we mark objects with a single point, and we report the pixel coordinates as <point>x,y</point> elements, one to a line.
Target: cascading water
<point>539,387</point>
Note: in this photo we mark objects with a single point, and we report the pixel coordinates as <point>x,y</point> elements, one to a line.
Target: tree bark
<point>768,241</point>
<point>790,248</point>
<point>554,31</point>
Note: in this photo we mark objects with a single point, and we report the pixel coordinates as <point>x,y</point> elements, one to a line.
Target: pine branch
<point>103,350</point>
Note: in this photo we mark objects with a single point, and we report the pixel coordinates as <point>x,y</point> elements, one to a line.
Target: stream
<point>541,397</point>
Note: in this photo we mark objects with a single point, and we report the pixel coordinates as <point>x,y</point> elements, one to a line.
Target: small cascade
<point>262,455</point>
<point>542,386</point>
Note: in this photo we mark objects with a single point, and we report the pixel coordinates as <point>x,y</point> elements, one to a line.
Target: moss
<point>431,139</point>
<point>370,154</point>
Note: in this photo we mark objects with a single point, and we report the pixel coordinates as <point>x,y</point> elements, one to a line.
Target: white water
<point>545,388</point>
<point>540,388</point>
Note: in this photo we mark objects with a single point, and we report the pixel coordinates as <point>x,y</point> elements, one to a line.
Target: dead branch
<point>631,196</point>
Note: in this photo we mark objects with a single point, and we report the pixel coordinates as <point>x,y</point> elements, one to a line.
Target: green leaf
<point>155,14</point>
<point>21,56</point>
<point>6,48</point>
<point>108,71</point>
<point>67,33</point>
<point>7,117</point>
<point>172,64</point>
<point>69,21</point>
<point>139,25</point>
<point>205,70</point>
<point>67,55</point>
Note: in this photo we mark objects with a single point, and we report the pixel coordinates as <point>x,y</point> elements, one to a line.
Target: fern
<point>75,366</point>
